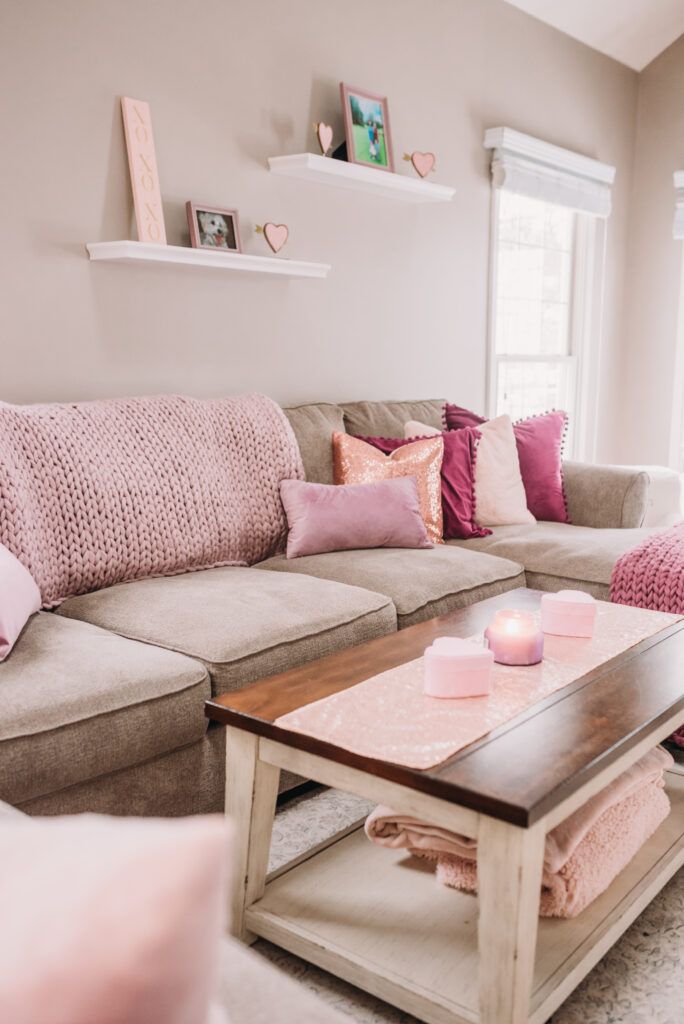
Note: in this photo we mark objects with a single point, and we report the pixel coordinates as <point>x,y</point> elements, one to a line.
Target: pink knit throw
<point>651,575</point>
<point>97,493</point>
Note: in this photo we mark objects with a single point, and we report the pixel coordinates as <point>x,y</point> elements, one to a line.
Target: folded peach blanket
<point>582,855</point>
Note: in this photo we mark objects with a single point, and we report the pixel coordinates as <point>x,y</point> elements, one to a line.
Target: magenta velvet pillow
<point>458,470</point>
<point>329,517</point>
<point>540,443</point>
<point>19,599</point>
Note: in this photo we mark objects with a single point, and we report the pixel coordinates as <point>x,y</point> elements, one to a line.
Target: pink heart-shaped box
<point>423,162</point>
<point>568,613</point>
<point>325,136</point>
<point>457,668</point>
<point>276,235</point>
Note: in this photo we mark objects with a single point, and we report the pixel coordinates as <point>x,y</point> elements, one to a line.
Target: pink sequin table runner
<point>388,717</point>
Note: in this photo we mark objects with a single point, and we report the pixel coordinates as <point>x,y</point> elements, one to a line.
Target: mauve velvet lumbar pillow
<point>328,517</point>
<point>357,462</point>
<point>19,599</point>
<point>540,452</point>
<point>458,479</point>
<point>111,920</point>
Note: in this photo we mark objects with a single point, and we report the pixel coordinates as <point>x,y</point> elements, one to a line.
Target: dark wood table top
<point>519,771</point>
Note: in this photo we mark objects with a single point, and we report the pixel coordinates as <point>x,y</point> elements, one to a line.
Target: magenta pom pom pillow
<point>458,491</point>
<point>19,599</point>
<point>540,444</point>
<point>328,517</point>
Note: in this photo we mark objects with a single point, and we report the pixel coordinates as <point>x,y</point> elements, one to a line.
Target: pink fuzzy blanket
<point>582,855</point>
<point>97,493</point>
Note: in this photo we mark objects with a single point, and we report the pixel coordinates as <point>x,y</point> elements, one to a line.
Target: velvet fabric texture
<point>323,517</point>
<point>110,920</point>
<point>540,441</point>
<point>97,493</point>
<point>357,462</point>
<point>19,599</point>
<point>457,478</point>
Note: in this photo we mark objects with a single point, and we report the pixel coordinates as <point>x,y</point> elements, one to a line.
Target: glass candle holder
<point>515,638</point>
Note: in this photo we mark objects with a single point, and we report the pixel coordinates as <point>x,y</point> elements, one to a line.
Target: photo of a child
<point>367,127</point>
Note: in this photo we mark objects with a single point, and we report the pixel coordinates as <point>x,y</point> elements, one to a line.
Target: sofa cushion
<point>313,426</point>
<point>421,584</point>
<point>241,623</point>
<point>387,419</point>
<point>77,702</point>
<point>559,555</point>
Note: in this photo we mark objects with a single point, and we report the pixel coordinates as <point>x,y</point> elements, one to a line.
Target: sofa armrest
<point>621,496</point>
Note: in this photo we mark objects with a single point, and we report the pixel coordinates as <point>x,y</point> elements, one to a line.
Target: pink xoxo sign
<point>142,163</point>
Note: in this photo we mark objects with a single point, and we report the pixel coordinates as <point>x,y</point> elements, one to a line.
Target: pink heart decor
<point>276,235</point>
<point>325,136</point>
<point>423,162</point>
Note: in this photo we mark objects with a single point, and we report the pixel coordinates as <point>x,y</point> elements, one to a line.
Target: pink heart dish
<point>568,613</point>
<point>325,136</point>
<point>423,162</point>
<point>276,235</point>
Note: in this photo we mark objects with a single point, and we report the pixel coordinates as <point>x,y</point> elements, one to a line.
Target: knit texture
<point>105,492</point>
<point>651,575</point>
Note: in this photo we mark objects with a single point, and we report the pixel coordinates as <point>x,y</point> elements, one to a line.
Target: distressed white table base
<point>378,918</point>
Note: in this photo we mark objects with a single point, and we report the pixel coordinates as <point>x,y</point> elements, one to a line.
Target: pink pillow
<point>326,517</point>
<point>114,921</point>
<point>19,599</point>
<point>540,448</point>
<point>458,468</point>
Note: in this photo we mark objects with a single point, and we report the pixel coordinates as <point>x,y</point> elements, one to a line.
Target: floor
<point>640,981</point>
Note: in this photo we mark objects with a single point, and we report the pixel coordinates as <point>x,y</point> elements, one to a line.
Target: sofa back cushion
<point>387,419</point>
<point>97,493</point>
<point>314,426</point>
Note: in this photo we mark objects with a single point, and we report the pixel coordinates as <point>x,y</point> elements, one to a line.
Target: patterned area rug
<point>640,981</point>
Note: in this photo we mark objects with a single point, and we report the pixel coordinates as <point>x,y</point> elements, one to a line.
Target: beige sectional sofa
<point>101,702</point>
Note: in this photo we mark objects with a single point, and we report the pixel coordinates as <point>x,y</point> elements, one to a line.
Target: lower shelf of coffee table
<point>378,919</point>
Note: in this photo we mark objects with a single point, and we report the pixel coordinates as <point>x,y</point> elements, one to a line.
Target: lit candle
<point>457,668</point>
<point>515,638</point>
<point>568,613</point>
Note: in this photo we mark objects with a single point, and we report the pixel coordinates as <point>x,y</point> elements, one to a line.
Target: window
<point>535,307</point>
<point>550,207</point>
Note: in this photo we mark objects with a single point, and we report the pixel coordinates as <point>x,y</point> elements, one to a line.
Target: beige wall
<point>654,264</point>
<point>404,310</point>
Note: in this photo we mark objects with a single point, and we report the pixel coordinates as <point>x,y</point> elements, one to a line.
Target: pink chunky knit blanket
<point>651,575</point>
<point>97,493</point>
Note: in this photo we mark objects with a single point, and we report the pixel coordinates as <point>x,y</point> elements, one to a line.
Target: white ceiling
<point>631,31</point>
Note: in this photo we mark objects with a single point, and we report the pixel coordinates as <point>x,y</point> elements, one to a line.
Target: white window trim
<point>540,170</point>
<point>676,447</point>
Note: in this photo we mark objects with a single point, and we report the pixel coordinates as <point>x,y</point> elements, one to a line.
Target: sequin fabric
<point>388,717</point>
<point>357,462</point>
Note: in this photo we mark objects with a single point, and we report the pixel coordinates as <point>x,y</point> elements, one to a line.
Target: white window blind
<point>540,170</point>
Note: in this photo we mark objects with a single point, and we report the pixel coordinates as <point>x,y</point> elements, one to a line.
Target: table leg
<point>509,871</point>
<point>251,793</point>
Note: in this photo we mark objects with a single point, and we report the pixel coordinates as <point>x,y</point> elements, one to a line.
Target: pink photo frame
<point>367,128</point>
<point>210,226</point>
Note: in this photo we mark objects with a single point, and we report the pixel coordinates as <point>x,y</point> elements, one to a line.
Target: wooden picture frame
<point>200,234</point>
<point>362,147</point>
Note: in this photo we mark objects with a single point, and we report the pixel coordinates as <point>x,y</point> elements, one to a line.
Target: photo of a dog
<point>212,227</point>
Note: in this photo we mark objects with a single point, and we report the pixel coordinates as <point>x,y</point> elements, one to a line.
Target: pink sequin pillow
<point>325,517</point>
<point>19,599</point>
<point>110,920</point>
<point>540,445</point>
<point>457,483</point>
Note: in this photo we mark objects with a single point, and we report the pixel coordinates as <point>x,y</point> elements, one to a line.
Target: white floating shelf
<point>127,251</point>
<point>326,170</point>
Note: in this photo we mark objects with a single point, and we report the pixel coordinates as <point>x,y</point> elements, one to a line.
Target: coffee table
<point>376,917</point>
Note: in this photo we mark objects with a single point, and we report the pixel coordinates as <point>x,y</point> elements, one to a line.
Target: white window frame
<point>540,170</point>
<point>676,446</point>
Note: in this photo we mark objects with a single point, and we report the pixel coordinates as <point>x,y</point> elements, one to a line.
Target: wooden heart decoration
<point>276,235</point>
<point>423,162</point>
<point>325,136</point>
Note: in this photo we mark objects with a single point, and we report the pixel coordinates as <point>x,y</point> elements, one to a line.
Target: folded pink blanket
<point>635,799</point>
<point>605,851</point>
